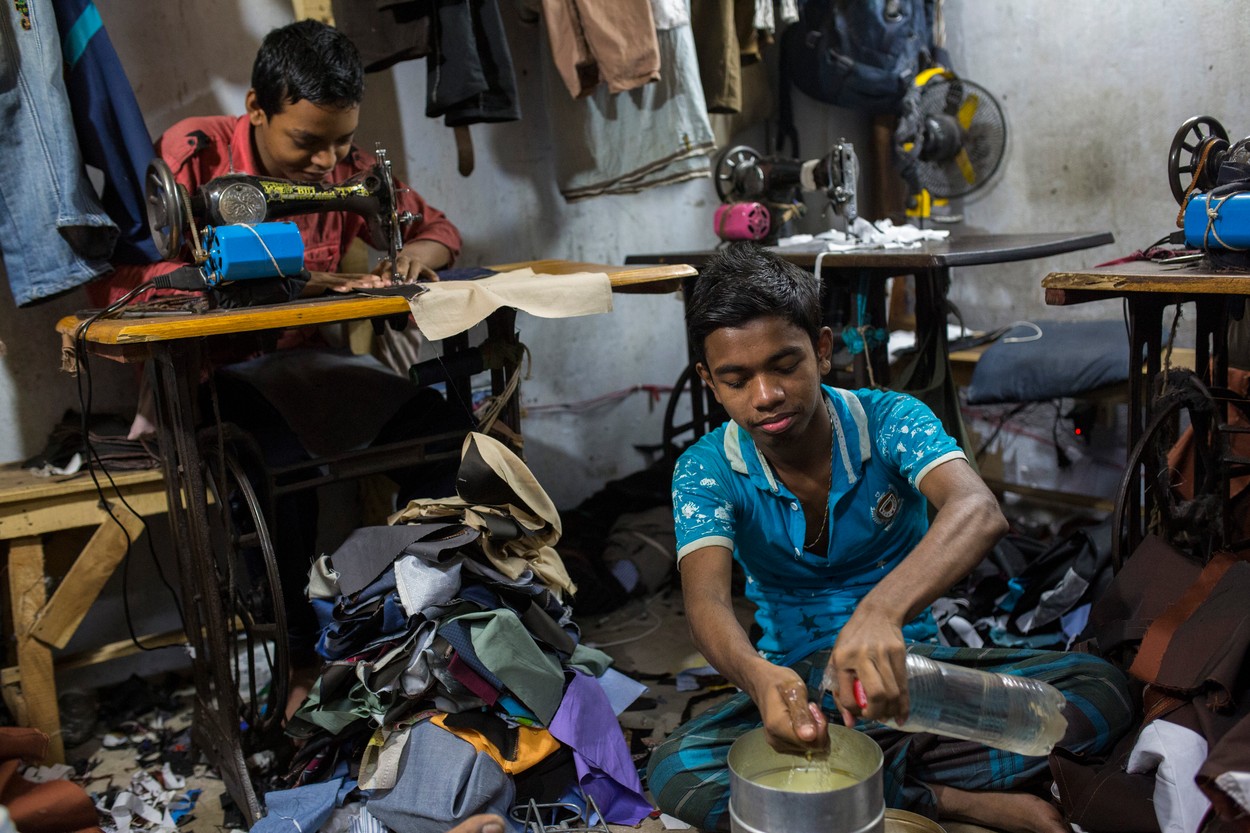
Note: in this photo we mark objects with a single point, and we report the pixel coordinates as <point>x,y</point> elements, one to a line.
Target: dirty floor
<point>648,638</point>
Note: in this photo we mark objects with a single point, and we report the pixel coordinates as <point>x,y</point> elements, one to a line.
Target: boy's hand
<point>792,723</point>
<point>408,269</point>
<point>870,652</point>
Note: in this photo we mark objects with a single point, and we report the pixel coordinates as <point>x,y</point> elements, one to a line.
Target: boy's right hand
<point>792,723</point>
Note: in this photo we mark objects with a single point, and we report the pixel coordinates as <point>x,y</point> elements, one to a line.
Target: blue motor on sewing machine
<point>1215,222</point>
<point>1215,201</point>
<point>247,251</point>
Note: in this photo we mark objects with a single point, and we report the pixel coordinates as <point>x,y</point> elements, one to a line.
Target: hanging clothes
<point>109,124</point>
<point>612,42</point>
<point>54,234</point>
<point>628,142</point>
<point>470,74</point>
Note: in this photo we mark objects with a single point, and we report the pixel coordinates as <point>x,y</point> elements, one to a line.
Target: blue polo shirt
<point>725,494</point>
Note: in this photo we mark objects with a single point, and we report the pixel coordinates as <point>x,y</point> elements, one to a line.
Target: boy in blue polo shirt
<point>822,496</point>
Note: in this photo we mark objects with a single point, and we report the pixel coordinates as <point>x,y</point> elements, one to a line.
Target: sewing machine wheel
<point>673,437</point>
<point>737,174</point>
<point>1188,145</point>
<point>247,577</point>
<point>166,218</point>
<point>1195,524</point>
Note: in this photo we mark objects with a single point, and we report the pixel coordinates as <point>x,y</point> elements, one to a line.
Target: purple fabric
<point>586,724</point>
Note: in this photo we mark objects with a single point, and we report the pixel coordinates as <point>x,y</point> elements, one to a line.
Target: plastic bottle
<point>1017,714</point>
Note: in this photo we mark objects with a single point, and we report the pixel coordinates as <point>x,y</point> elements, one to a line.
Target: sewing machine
<point>233,223</point>
<point>1215,201</point>
<point>761,193</point>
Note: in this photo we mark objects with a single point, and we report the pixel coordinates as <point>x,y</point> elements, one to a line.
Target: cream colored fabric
<point>450,307</point>
<point>532,510</point>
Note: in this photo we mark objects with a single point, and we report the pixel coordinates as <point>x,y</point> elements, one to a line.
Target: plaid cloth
<point>688,776</point>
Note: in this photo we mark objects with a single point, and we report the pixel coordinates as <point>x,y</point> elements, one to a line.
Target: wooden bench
<point>31,508</point>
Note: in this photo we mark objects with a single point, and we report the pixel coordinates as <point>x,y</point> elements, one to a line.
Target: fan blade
<point>965,167</point>
<point>968,110</point>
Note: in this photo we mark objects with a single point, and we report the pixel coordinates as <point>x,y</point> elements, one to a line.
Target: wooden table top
<point>328,309</point>
<point>1143,276</point>
<point>956,250</point>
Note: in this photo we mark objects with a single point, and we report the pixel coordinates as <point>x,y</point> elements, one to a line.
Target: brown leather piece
<point>1155,643</point>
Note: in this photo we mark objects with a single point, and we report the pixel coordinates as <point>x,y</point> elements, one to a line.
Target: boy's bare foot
<point>1009,811</point>
<point>480,824</point>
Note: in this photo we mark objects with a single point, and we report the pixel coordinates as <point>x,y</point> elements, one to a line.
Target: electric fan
<point>950,139</point>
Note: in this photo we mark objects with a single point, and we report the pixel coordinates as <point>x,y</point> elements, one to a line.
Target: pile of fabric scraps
<point>865,234</point>
<point>455,681</point>
<point>1029,593</point>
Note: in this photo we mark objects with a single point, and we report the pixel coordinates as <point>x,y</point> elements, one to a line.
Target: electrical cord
<point>85,396</point>
<point>985,446</point>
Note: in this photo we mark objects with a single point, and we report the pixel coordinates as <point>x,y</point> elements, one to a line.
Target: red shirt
<point>201,148</point>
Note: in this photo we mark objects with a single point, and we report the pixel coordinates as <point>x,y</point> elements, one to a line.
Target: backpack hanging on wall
<point>859,54</point>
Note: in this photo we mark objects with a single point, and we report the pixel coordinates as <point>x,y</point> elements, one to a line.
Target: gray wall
<point>1093,93</point>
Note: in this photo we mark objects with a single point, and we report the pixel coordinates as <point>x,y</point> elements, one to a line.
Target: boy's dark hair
<point>743,282</point>
<point>307,59</point>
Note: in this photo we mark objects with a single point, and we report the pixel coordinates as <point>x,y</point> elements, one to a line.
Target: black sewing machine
<point>233,223</point>
<point>762,193</point>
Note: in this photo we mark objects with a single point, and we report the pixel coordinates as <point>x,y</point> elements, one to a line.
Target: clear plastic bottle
<point>1000,710</point>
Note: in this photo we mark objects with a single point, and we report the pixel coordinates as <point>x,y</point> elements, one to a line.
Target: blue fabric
<point>303,808</point>
<point>54,234</point>
<point>1070,358</point>
<point>109,124</point>
<point>442,780</point>
<point>724,493</point>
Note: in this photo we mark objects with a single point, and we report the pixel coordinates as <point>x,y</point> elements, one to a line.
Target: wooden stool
<point>31,507</point>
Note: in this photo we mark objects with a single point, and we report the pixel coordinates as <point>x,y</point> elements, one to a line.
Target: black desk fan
<point>949,142</point>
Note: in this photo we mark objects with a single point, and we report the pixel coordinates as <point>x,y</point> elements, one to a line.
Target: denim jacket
<point>54,235</point>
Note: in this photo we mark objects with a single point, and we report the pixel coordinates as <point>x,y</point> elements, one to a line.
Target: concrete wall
<point>1093,93</point>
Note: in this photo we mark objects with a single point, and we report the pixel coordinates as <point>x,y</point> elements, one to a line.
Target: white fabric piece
<point>451,307</point>
<point>669,14</point>
<point>1235,785</point>
<point>421,585</point>
<point>787,11</point>
<point>1174,754</point>
<point>1058,598</point>
<point>323,580</point>
<point>44,774</point>
<point>764,19</point>
<point>865,235</point>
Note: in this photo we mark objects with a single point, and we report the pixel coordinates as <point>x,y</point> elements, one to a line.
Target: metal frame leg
<point>175,369</point>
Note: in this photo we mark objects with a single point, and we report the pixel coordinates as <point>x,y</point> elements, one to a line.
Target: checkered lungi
<point>688,776</point>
